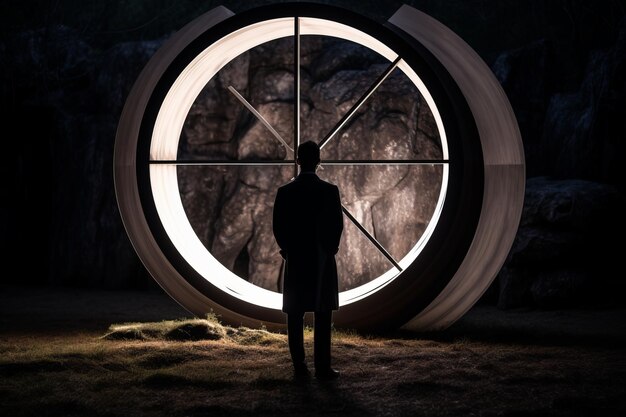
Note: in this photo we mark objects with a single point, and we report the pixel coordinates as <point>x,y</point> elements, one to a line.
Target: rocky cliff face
<point>572,131</point>
<point>565,253</point>
<point>567,250</point>
<point>230,208</point>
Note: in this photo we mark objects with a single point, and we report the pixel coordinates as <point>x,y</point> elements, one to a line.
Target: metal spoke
<point>217,162</point>
<point>384,162</point>
<point>258,116</point>
<point>296,91</point>
<point>324,141</point>
<point>359,102</point>
<point>335,162</point>
<point>371,238</point>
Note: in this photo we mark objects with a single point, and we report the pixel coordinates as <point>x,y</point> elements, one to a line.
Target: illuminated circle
<point>473,224</point>
<point>169,124</point>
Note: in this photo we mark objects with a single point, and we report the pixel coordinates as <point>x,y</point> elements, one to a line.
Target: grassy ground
<point>60,356</point>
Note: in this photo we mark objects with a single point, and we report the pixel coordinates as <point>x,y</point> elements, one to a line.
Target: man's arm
<point>278,223</point>
<point>336,221</point>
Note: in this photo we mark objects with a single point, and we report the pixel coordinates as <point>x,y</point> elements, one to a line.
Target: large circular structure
<point>475,169</point>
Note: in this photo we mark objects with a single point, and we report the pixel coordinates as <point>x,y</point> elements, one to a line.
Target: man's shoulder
<point>328,184</point>
<point>286,186</point>
<point>314,181</point>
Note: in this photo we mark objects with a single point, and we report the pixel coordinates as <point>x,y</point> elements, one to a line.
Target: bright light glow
<point>168,128</point>
<point>185,90</point>
<point>362,291</point>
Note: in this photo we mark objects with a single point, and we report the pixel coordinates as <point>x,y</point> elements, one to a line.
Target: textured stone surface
<point>570,113</point>
<point>567,249</point>
<point>230,208</point>
<point>561,288</point>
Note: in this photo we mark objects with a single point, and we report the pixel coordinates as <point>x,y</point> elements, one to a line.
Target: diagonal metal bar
<point>360,102</point>
<point>258,116</point>
<point>371,238</point>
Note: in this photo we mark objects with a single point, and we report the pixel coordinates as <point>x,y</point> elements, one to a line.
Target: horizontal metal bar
<point>342,162</point>
<point>384,161</point>
<point>221,162</point>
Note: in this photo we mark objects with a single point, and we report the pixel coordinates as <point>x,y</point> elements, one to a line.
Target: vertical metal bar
<point>296,92</point>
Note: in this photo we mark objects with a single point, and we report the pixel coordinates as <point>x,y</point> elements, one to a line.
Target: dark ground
<point>53,361</point>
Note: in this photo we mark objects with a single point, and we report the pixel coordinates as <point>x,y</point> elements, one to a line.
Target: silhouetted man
<point>308,223</point>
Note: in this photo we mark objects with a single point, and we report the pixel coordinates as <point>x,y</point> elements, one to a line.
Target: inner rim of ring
<point>166,134</point>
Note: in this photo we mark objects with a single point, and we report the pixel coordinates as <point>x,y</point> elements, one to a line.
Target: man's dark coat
<point>308,223</point>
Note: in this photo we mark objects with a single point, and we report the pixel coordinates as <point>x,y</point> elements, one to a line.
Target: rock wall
<point>567,251</point>
<point>230,208</point>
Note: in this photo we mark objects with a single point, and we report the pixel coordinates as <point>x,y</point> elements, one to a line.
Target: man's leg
<point>295,336</point>
<point>321,341</point>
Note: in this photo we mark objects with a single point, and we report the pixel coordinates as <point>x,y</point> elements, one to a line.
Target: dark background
<point>67,67</point>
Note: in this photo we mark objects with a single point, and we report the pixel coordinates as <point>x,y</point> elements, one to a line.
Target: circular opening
<point>165,166</point>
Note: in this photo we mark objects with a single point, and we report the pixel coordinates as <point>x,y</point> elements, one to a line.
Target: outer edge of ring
<point>504,169</point>
<point>125,174</point>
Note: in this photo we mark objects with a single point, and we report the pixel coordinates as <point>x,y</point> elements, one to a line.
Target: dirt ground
<point>54,361</point>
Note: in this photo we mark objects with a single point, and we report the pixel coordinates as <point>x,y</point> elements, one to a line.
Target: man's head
<point>308,155</point>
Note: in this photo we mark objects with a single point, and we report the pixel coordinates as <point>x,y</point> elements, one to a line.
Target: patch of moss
<point>193,330</point>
